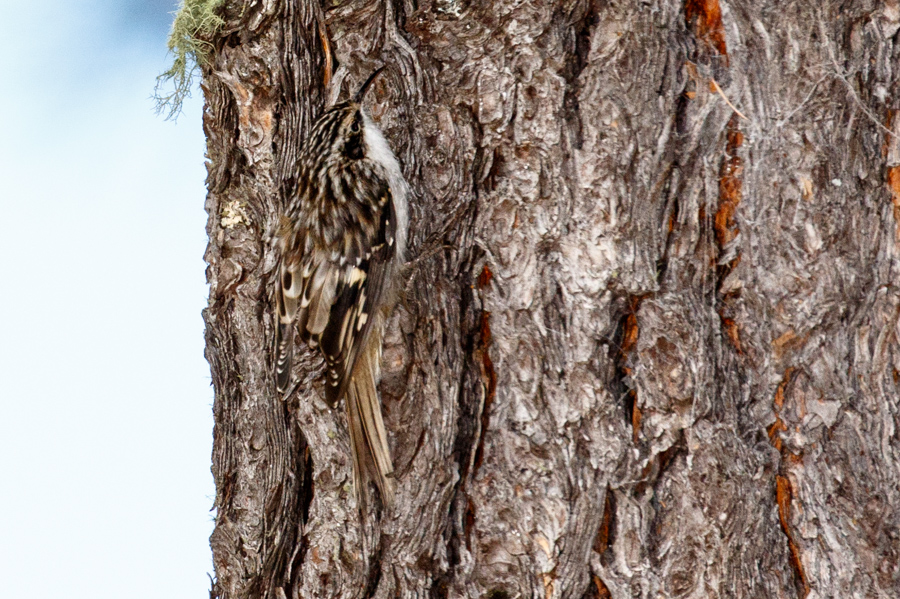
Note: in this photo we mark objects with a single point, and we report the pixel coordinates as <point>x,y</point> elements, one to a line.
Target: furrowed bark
<point>649,342</point>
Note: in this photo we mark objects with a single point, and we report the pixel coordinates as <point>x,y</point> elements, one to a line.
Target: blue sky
<point>106,424</point>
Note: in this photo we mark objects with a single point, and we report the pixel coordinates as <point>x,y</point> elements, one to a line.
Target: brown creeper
<point>340,247</point>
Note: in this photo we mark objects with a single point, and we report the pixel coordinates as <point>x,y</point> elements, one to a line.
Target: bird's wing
<point>335,296</point>
<point>286,308</point>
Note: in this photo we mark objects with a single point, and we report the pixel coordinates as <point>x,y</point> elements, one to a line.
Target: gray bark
<point>649,345</point>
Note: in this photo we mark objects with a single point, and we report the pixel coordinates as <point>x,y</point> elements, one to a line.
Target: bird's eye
<point>354,126</point>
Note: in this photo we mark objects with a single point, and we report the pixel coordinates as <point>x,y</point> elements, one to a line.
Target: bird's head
<point>348,123</point>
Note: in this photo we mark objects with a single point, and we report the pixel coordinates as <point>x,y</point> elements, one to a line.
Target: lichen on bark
<point>190,45</point>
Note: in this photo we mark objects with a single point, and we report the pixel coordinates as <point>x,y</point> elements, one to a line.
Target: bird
<point>340,246</point>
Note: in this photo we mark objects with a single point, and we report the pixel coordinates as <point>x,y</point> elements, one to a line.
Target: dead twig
<point>727,101</point>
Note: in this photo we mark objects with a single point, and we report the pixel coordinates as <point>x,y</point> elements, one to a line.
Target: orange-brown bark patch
<point>602,590</point>
<point>635,422</point>
<point>734,334</point>
<point>893,180</point>
<point>630,336</point>
<point>779,393</point>
<point>787,342</point>
<point>630,333</point>
<point>730,185</point>
<point>326,51</point>
<point>778,404</point>
<point>773,431</point>
<point>489,380</point>
<point>725,222</point>
<point>784,495</point>
<point>485,277</point>
<point>888,124</point>
<point>601,541</point>
<point>706,18</point>
<point>784,492</point>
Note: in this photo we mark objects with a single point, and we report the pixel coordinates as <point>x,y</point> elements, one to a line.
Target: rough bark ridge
<point>650,345</point>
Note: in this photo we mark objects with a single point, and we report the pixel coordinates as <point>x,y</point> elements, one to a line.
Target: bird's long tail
<point>286,308</point>
<point>368,440</point>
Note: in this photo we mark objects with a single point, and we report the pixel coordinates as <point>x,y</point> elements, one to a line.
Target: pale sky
<point>106,423</point>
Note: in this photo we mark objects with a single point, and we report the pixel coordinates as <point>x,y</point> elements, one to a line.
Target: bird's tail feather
<point>285,349</point>
<point>286,308</point>
<point>368,439</point>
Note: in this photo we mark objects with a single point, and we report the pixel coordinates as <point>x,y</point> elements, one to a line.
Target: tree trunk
<point>649,343</point>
